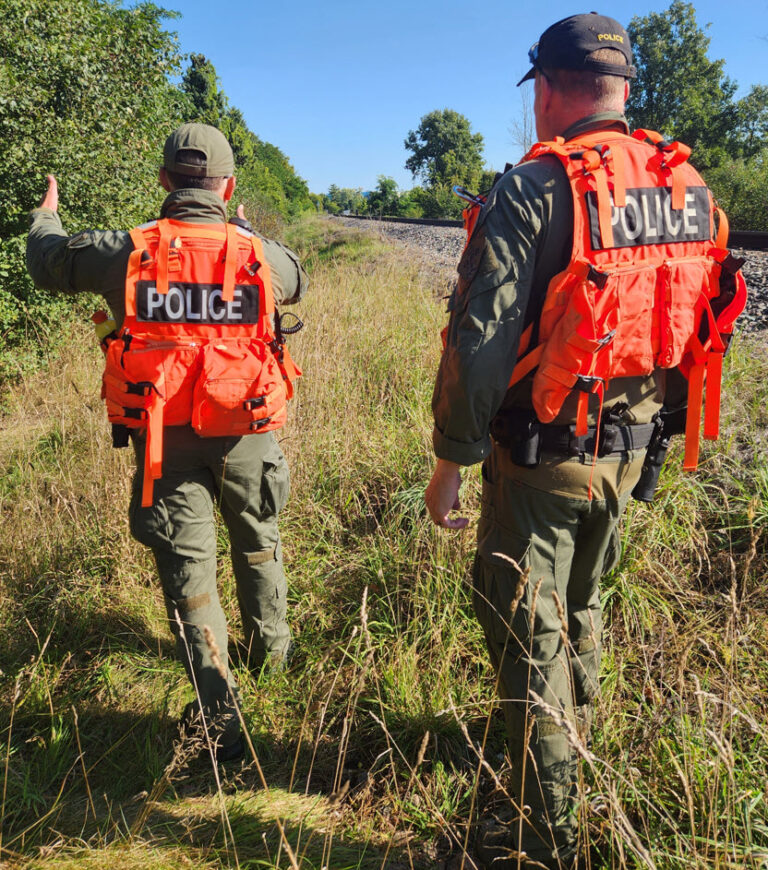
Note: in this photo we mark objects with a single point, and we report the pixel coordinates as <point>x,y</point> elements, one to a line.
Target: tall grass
<point>369,744</point>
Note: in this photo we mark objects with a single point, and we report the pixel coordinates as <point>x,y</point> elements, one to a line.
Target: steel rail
<point>750,240</point>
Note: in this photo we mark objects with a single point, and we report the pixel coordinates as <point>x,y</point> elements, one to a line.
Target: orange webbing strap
<point>526,365</point>
<point>525,340</point>
<point>289,370</point>
<point>153,453</point>
<point>678,188</point>
<point>266,293</point>
<point>619,185</point>
<point>230,265</point>
<point>693,416</point>
<point>134,270</point>
<point>712,404</point>
<point>603,207</point>
<point>675,155</point>
<point>721,240</point>
<point>582,410</point>
<point>593,165</point>
<point>714,373</point>
<point>163,252</point>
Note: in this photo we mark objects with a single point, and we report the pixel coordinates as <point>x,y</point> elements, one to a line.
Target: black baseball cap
<point>210,142</point>
<point>568,43</point>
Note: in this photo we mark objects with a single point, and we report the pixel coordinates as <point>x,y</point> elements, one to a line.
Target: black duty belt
<point>562,440</point>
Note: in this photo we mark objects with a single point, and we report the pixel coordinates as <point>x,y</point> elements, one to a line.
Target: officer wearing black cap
<point>548,525</point>
<point>246,477</point>
<point>574,43</point>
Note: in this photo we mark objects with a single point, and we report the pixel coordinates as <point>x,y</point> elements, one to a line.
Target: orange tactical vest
<point>198,344</point>
<point>646,286</point>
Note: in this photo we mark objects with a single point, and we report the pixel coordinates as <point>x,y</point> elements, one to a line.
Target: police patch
<point>649,219</point>
<point>196,303</point>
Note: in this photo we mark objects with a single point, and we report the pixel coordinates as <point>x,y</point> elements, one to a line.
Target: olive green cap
<point>210,142</point>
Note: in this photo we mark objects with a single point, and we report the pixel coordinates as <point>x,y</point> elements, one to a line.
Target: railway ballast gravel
<point>443,245</point>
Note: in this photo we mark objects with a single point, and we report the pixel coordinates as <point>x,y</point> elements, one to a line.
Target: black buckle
<point>598,278</point>
<point>142,388</point>
<point>588,383</point>
<point>257,402</point>
<point>609,435</point>
<point>260,424</point>
<point>134,413</point>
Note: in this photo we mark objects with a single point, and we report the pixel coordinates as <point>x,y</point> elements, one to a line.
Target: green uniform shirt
<point>523,238</point>
<point>96,260</point>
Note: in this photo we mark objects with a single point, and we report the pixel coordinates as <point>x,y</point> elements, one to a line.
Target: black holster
<point>520,433</point>
<point>668,423</point>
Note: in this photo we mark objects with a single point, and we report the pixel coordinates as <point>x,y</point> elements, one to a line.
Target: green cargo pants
<point>550,642</point>
<point>247,478</point>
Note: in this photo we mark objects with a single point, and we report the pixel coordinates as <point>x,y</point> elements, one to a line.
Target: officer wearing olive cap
<point>548,525</point>
<point>247,477</point>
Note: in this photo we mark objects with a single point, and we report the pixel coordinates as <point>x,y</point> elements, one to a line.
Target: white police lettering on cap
<point>196,303</point>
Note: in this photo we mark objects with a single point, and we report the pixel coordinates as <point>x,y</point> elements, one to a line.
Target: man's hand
<point>51,198</point>
<point>442,495</point>
<point>241,212</point>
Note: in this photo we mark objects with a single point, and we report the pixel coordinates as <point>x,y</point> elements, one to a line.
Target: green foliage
<point>339,199</point>
<point>85,95</point>
<point>740,186</point>
<point>752,119</point>
<point>445,151</point>
<point>264,174</point>
<point>385,199</point>
<point>679,91</point>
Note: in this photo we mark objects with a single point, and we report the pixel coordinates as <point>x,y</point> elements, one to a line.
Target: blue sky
<point>337,85</point>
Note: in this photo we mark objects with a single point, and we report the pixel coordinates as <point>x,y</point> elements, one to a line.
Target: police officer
<point>247,477</point>
<point>553,514</point>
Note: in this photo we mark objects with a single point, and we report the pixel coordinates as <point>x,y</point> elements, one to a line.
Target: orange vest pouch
<point>197,345</point>
<point>643,281</point>
<point>240,390</point>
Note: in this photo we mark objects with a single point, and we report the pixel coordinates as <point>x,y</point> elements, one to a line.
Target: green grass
<point>368,743</point>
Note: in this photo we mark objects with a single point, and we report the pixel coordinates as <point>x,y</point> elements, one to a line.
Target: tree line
<point>679,91</point>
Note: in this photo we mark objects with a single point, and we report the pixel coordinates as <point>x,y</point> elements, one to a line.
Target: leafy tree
<point>445,150</point>
<point>752,121</point>
<point>346,199</point>
<point>679,91</point>
<point>409,205</point>
<point>740,186</point>
<point>385,199</point>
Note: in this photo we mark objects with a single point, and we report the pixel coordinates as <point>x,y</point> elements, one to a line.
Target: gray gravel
<point>443,246</point>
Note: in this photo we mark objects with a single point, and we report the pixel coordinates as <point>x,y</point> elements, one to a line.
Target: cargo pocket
<point>137,370</point>
<point>150,526</point>
<point>275,484</point>
<point>240,390</point>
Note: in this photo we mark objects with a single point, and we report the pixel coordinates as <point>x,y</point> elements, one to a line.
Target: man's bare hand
<point>51,198</point>
<point>442,495</point>
<point>241,212</point>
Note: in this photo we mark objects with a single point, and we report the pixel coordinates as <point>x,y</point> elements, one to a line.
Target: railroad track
<point>749,239</point>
